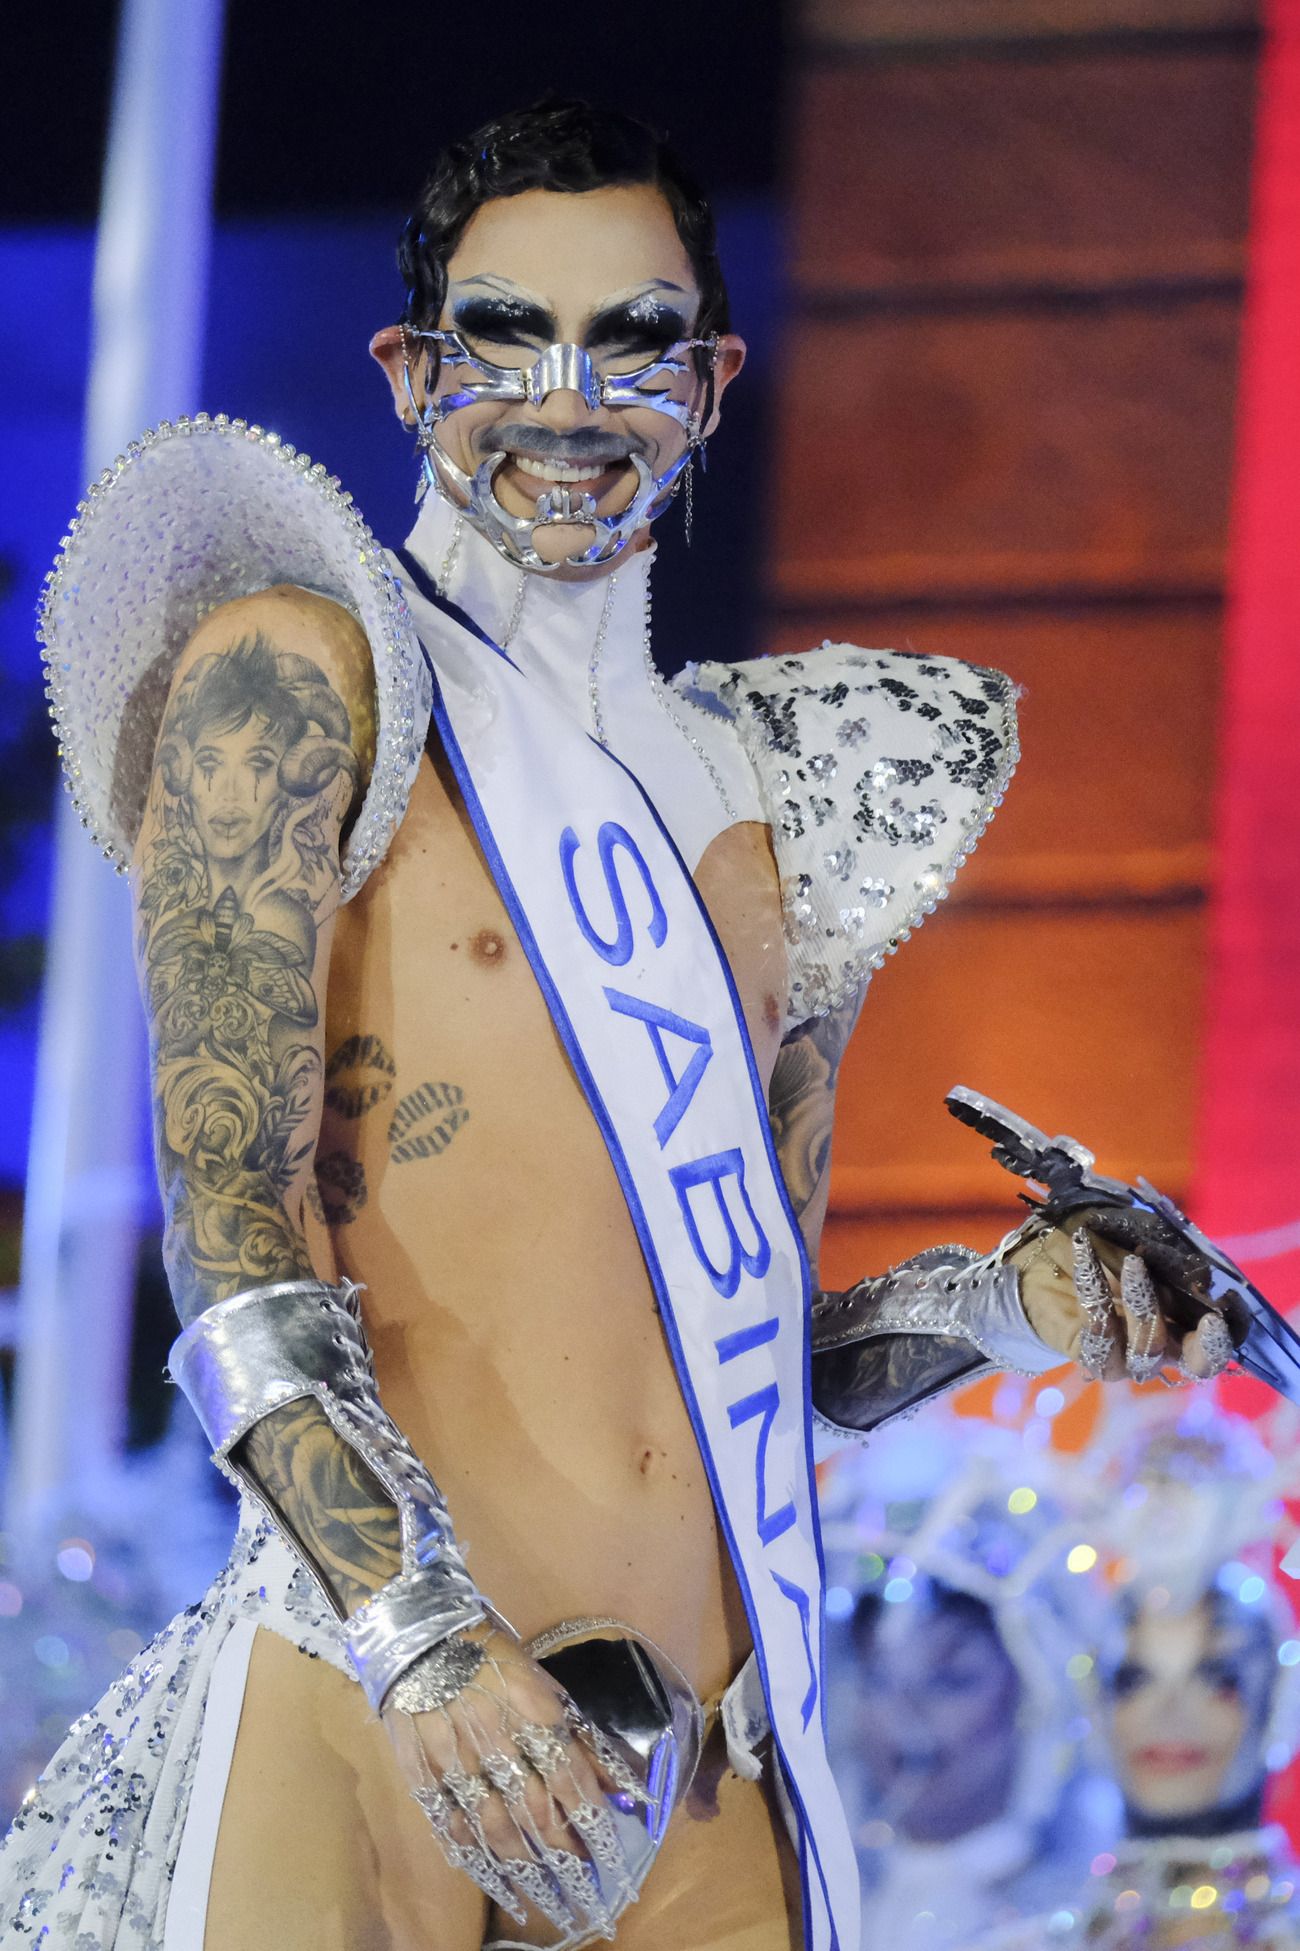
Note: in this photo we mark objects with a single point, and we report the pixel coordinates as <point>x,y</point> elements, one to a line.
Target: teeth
<point>553,471</point>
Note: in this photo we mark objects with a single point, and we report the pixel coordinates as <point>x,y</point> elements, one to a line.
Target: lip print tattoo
<point>426,1121</point>
<point>358,1076</point>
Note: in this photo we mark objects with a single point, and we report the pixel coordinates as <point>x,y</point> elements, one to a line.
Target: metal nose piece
<point>564,369</point>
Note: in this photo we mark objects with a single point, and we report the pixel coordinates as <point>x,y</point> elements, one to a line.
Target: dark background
<point>330,107</point>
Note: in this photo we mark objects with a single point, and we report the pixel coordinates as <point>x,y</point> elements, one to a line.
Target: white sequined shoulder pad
<point>192,515</point>
<point>878,771</point>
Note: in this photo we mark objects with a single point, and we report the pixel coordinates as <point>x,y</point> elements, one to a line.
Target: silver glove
<point>629,1717</point>
<point>937,1321</point>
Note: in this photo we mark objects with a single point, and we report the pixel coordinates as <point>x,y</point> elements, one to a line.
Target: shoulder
<point>878,771</point>
<point>320,647</point>
<point>839,688</point>
<point>212,526</point>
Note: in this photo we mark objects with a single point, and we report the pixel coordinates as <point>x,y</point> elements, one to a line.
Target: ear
<point>727,363</point>
<point>388,350</point>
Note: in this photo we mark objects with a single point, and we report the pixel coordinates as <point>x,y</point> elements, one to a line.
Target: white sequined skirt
<point>113,1848</point>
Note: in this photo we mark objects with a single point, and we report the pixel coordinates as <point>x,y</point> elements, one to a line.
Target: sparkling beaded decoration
<point>194,514</point>
<point>879,772</point>
<point>1213,1892</point>
<point>91,1854</point>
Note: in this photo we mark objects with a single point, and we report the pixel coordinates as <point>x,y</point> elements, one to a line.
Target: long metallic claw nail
<point>1138,1290</point>
<point>1097,1343</point>
<point>1217,1346</point>
<point>1143,1358</point>
<point>1090,1282</point>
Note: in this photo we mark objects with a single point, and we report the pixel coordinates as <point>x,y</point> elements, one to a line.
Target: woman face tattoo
<point>234,788</point>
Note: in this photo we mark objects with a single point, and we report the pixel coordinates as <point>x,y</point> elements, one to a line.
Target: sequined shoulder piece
<point>192,515</point>
<point>878,772</point>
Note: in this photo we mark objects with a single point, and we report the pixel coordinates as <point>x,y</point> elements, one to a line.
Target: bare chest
<point>432,1000</point>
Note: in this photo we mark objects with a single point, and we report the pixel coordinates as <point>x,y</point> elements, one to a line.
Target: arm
<point>895,1341</point>
<point>236,888</point>
<point>888,1344</point>
<point>263,751</point>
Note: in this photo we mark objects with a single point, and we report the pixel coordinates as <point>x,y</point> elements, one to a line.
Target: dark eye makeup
<point>642,324</point>
<point>503,321</point>
<point>646,324</point>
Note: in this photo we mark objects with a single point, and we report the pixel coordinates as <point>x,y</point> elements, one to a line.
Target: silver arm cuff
<point>966,1308</point>
<point>250,1355</point>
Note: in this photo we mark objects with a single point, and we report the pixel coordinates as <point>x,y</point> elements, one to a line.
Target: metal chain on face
<point>660,690</point>
<point>517,610</point>
<point>593,662</point>
<point>443,577</point>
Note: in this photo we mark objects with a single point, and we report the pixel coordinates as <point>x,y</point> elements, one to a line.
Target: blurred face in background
<point>1187,1706</point>
<point>938,1727</point>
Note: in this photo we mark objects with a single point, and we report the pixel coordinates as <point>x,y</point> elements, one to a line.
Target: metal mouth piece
<point>558,368</point>
<point>512,535</point>
<point>642,1702</point>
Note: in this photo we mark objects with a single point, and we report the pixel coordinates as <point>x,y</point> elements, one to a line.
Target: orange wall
<point>1006,431</point>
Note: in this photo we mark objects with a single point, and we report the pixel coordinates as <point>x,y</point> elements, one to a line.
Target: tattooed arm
<point>801,1106</point>
<point>861,1382</point>
<point>263,753</point>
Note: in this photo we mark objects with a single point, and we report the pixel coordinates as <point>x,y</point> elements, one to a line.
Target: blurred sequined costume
<point>1233,1890</point>
<point>1181,1508</point>
<point>928,1513</point>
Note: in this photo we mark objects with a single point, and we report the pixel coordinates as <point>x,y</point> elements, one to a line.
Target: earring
<point>690,497</point>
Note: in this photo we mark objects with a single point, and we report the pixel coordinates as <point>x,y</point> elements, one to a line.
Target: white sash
<point>644,1002</point>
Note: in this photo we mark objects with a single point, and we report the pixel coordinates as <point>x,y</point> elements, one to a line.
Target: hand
<point>1100,1305</point>
<point>515,1783</point>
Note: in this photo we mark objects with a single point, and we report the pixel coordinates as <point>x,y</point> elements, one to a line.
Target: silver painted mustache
<point>590,448</point>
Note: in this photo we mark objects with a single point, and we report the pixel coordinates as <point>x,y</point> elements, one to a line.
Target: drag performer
<point>497,992</point>
<point>955,1714</point>
<point>1197,1697</point>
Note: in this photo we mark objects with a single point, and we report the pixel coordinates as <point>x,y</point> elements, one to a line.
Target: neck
<point>586,640</point>
<point>1229,1818</point>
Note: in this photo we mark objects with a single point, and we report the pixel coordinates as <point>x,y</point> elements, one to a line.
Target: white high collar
<point>588,645</point>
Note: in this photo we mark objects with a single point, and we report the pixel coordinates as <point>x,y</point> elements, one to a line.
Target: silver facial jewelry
<point>594,661</point>
<point>1138,1293</point>
<point>562,367</point>
<point>662,695</point>
<point>516,610</point>
<point>1097,1342</point>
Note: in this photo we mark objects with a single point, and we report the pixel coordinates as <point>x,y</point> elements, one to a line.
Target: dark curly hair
<point>552,145</point>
